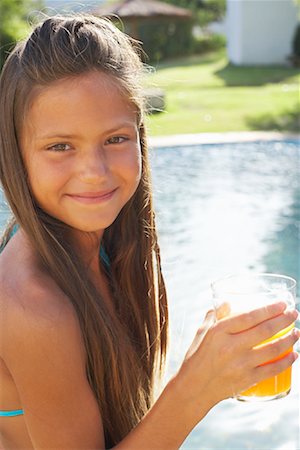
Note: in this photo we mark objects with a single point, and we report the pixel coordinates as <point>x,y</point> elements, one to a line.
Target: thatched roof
<point>142,8</point>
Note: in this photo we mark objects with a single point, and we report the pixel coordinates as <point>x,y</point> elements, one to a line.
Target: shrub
<point>164,39</point>
<point>14,16</point>
<point>209,43</point>
<point>296,42</point>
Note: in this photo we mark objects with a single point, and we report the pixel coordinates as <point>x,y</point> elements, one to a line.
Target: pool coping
<point>219,138</point>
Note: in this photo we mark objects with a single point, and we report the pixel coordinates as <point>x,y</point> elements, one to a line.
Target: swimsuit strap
<point>12,413</point>
<point>103,254</point>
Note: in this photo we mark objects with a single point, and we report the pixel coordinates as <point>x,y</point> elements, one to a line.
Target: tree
<point>206,10</point>
<point>14,23</point>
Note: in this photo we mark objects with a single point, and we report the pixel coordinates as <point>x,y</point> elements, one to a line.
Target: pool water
<point>222,209</point>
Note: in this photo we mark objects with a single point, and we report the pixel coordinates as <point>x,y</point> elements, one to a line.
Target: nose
<point>93,166</point>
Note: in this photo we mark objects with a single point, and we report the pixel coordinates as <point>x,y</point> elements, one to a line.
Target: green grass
<point>206,94</point>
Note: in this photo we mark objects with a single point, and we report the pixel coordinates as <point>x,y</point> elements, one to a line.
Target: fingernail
<point>296,332</point>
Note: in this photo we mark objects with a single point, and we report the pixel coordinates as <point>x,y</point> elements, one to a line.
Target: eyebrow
<point>75,136</point>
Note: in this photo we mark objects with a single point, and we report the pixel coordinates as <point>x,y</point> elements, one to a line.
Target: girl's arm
<point>43,349</point>
<point>220,363</point>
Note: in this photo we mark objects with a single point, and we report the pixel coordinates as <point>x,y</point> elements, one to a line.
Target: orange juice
<point>277,386</point>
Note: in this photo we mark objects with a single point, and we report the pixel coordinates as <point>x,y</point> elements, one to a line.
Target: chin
<point>95,226</point>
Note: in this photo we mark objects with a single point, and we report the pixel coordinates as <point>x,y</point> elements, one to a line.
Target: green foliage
<point>211,11</point>
<point>164,39</point>
<point>296,42</point>
<point>206,11</point>
<point>205,44</point>
<point>189,4</point>
<point>14,23</point>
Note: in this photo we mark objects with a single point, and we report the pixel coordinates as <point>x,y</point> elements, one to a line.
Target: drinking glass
<point>241,293</point>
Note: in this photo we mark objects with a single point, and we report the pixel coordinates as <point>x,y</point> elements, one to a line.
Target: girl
<point>84,318</point>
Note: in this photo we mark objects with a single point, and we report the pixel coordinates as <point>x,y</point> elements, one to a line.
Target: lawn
<point>207,94</point>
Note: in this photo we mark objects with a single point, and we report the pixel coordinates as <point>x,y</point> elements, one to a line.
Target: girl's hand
<point>222,360</point>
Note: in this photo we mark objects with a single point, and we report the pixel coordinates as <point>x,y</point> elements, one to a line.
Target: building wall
<point>260,31</point>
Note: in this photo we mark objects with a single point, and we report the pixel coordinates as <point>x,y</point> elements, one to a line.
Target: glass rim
<point>254,275</point>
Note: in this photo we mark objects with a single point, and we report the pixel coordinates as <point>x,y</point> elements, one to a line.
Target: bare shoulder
<point>42,347</point>
<point>30,300</point>
<point>23,281</point>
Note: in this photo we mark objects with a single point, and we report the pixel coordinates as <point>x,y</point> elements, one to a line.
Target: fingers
<point>275,350</point>
<point>236,324</point>
<point>209,320</point>
<point>210,317</point>
<point>269,370</point>
<point>267,329</point>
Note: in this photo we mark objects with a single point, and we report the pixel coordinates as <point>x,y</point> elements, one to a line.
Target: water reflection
<point>283,245</point>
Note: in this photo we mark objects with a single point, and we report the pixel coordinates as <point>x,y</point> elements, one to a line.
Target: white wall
<point>260,31</point>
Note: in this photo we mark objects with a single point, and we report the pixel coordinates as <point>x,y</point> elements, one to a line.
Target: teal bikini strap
<point>103,253</point>
<point>12,413</point>
<point>14,230</point>
<point>104,257</point>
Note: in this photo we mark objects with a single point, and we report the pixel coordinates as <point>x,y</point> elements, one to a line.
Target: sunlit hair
<point>125,351</point>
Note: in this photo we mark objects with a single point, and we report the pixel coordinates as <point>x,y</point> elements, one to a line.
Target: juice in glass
<point>274,387</point>
<point>243,292</point>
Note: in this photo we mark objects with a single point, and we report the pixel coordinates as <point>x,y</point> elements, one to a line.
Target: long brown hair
<point>126,351</point>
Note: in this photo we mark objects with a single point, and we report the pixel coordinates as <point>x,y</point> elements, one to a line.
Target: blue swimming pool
<point>221,209</point>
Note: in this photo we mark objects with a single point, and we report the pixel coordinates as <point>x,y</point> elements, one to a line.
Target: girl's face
<point>80,144</point>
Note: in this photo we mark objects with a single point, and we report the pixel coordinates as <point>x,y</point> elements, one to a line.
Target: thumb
<point>210,318</point>
<point>223,310</point>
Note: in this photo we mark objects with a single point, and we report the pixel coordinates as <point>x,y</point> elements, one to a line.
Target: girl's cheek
<point>44,177</point>
<point>129,160</point>
<point>136,158</point>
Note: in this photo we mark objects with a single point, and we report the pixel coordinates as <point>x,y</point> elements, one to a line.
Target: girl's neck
<point>88,247</point>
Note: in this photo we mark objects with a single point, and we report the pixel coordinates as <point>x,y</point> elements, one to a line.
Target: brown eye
<point>61,147</point>
<point>117,140</point>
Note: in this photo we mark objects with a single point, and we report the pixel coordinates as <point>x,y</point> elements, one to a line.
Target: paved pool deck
<point>219,138</point>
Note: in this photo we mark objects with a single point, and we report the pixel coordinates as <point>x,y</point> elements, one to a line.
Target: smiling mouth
<point>93,197</point>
